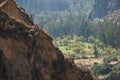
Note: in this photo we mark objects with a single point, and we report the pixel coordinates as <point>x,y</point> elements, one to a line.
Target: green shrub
<point>77,50</point>
<point>100,69</point>
<point>110,58</point>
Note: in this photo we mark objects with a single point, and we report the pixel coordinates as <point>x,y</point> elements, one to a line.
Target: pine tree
<point>96,54</point>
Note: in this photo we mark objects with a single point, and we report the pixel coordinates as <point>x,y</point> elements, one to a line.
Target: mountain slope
<point>39,6</point>
<point>114,16</point>
<point>102,8</point>
<point>23,57</point>
<point>43,5</point>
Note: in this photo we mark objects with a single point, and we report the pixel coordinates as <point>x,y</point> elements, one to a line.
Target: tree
<point>95,52</point>
<point>100,69</point>
<point>115,73</point>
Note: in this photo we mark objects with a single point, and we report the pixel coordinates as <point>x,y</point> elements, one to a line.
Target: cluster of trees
<point>115,73</point>
<point>79,46</point>
<point>101,69</point>
<point>75,46</point>
<point>107,32</point>
<point>66,25</point>
<point>105,69</point>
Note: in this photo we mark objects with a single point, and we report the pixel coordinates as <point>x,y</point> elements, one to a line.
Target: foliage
<point>111,72</point>
<point>108,59</point>
<point>74,45</point>
<point>102,69</point>
<point>77,50</point>
<point>95,52</point>
<point>105,31</point>
<point>108,32</point>
<point>115,73</point>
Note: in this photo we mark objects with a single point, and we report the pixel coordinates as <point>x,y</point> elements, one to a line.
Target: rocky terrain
<point>102,8</point>
<point>25,57</point>
<point>114,16</point>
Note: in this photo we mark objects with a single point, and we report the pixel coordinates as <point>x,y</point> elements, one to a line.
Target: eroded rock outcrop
<point>32,58</point>
<point>113,17</point>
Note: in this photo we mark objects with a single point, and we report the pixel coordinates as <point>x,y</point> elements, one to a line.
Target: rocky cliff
<point>25,57</point>
<point>102,8</point>
<point>113,17</point>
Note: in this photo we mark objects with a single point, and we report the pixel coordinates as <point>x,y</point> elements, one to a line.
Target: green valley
<point>79,47</point>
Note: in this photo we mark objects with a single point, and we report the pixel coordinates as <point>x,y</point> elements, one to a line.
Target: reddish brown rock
<point>24,57</point>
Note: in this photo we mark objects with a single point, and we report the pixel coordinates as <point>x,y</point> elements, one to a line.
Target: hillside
<point>32,56</point>
<point>71,6</point>
<point>114,16</point>
<point>102,8</point>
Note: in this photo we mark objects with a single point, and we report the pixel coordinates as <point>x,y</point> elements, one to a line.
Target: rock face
<point>103,7</point>
<point>24,57</point>
<point>113,17</point>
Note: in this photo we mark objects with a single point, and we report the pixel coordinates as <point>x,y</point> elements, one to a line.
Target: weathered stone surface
<point>32,58</point>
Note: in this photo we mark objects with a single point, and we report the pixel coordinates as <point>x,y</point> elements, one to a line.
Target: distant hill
<point>43,5</point>
<point>102,8</point>
<point>37,6</point>
<point>114,16</point>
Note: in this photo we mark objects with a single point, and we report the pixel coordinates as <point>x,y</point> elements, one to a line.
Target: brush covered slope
<point>25,57</point>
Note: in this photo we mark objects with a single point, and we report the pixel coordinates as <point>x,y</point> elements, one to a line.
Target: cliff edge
<point>32,56</point>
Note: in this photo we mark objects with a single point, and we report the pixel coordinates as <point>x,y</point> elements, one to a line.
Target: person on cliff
<point>36,28</point>
<point>33,31</point>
